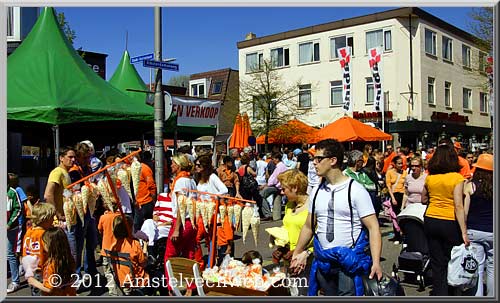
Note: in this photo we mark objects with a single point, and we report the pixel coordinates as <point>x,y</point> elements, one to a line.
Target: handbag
<point>463,267</point>
<point>248,183</point>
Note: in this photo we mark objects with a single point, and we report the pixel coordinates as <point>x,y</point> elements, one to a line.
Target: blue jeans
<point>79,235</point>
<point>11,254</point>
<point>485,258</point>
<point>339,284</point>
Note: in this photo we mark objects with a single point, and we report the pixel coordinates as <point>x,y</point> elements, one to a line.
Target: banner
<point>195,112</point>
<point>345,62</point>
<point>374,60</point>
<point>489,72</point>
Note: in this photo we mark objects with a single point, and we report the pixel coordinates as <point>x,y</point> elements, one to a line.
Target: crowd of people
<point>331,197</point>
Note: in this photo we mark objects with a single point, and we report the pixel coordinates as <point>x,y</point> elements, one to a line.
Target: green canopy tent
<point>126,79</point>
<point>48,83</point>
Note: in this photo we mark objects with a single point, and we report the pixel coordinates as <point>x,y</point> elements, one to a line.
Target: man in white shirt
<point>261,170</point>
<point>339,223</point>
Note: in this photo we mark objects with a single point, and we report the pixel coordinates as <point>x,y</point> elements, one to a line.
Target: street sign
<point>141,58</point>
<point>161,64</point>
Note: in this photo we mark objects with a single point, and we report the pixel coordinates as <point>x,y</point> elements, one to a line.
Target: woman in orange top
<point>395,179</point>
<point>59,262</point>
<point>444,220</point>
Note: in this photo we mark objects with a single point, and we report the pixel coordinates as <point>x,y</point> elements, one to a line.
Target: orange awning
<point>292,132</point>
<point>347,129</point>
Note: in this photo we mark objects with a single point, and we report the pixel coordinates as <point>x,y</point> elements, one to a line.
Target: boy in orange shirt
<point>105,227</point>
<point>42,218</point>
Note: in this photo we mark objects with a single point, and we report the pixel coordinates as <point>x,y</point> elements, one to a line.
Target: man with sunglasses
<point>339,209</point>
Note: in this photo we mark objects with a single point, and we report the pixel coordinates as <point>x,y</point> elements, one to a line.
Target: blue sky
<point>204,39</point>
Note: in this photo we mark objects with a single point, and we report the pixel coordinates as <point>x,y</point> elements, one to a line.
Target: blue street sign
<point>141,58</point>
<point>160,64</point>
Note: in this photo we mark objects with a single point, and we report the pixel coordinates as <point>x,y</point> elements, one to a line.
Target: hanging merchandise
<point>246,215</point>
<point>254,224</point>
<point>222,211</point>
<point>230,213</point>
<point>135,170</point>
<point>124,178</point>
<point>69,209</point>
<point>237,215</point>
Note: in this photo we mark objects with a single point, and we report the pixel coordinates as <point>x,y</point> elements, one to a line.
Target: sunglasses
<point>197,164</point>
<point>414,165</point>
<point>318,159</point>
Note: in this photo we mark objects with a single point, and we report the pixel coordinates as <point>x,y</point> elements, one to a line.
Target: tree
<point>482,26</point>
<point>181,80</point>
<point>271,101</point>
<point>70,34</point>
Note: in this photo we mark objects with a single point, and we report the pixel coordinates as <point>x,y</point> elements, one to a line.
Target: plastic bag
<point>463,267</point>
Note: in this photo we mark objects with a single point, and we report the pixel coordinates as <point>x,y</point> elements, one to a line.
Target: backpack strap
<point>313,225</point>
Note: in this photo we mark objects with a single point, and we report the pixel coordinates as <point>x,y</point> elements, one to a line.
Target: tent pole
<point>227,143</point>
<point>55,133</point>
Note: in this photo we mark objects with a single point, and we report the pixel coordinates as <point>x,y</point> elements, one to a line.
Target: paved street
<point>390,253</point>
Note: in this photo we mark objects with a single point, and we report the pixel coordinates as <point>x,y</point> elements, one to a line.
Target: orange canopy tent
<point>241,132</point>
<point>292,132</point>
<point>347,129</point>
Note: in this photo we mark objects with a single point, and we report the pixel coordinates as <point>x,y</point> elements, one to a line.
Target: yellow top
<point>440,188</point>
<point>293,223</point>
<point>61,177</point>
<point>392,176</point>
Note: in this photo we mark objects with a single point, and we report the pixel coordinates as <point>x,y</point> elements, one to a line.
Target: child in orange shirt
<point>105,227</point>
<point>127,244</point>
<point>42,217</point>
<point>59,263</point>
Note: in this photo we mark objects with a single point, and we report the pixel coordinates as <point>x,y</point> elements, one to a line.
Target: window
<point>467,98</point>
<point>255,62</point>
<point>466,56</point>
<point>379,38</point>
<point>198,90</point>
<point>430,42</point>
<point>447,94</point>
<point>10,21</point>
<point>430,91</point>
<point>483,102</point>
<point>217,87</point>
<point>308,52</point>
<point>482,62</point>
<point>280,57</point>
<point>305,95</point>
<point>336,93</point>
<point>257,111</point>
<point>387,40</point>
<point>447,48</point>
<point>370,90</point>
<point>340,42</point>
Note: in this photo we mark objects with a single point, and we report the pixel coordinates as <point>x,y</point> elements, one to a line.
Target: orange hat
<point>484,161</point>
<point>457,145</point>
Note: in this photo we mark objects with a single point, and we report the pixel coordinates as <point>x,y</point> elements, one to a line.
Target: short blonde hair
<point>42,212</point>
<point>183,162</point>
<point>294,178</point>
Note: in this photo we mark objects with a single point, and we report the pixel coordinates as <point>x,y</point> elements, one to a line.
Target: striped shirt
<point>163,209</point>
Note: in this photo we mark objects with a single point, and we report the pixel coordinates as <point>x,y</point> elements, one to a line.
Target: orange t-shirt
<point>105,227</point>
<point>138,259</point>
<point>465,170</point>
<point>388,161</point>
<point>147,186</point>
<point>66,289</point>
<point>33,245</point>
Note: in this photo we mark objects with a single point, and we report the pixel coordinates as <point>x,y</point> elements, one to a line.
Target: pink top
<point>415,187</point>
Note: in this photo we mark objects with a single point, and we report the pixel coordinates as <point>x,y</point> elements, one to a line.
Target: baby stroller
<point>414,256</point>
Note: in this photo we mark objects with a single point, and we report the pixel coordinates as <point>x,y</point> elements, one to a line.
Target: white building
<point>439,61</point>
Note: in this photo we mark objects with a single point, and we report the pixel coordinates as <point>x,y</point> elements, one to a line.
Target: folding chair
<point>190,274</point>
<point>122,259</point>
